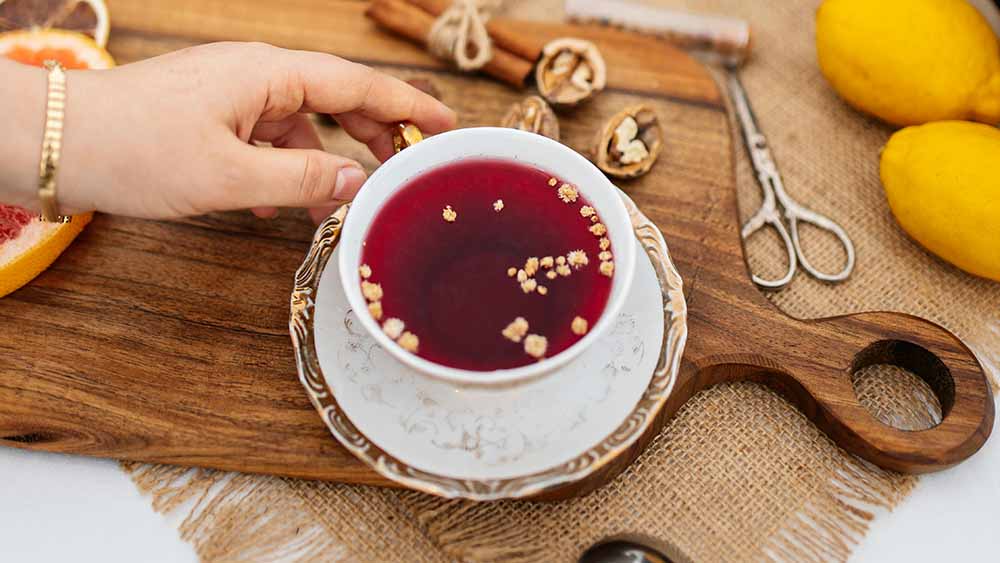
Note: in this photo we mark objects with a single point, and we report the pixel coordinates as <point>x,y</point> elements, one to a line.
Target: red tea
<point>486,264</point>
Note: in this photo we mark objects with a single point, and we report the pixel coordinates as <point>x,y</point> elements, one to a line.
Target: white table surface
<point>64,508</point>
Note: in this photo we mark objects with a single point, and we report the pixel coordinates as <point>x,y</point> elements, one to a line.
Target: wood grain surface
<point>168,341</point>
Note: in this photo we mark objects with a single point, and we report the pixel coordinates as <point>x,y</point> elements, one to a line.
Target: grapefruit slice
<point>89,17</point>
<point>28,245</point>
<point>74,50</point>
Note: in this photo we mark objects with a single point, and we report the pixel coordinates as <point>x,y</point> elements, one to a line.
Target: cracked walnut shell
<point>629,143</point>
<point>571,70</point>
<point>533,115</point>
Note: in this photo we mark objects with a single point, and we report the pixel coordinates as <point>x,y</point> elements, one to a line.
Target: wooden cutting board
<point>168,341</point>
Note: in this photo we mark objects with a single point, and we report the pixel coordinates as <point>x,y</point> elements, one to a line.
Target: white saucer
<point>487,443</point>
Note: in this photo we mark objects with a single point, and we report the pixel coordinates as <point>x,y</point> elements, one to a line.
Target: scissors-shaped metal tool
<point>774,195</point>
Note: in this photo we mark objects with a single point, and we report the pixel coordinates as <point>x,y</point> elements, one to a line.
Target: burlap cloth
<point>738,474</point>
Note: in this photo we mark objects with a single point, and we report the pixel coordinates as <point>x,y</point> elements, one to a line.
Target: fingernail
<point>349,181</point>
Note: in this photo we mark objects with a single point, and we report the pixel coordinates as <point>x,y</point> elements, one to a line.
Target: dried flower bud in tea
<point>604,256</point>
<point>587,211</point>
<point>577,259</point>
<point>449,214</point>
<point>598,229</point>
<point>522,275</point>
<point>516,330</point>
<point>498,205</point>
<point>629,143</point>
<point>365,271</point>
<point>560,260</point>
<point>563,270</point>
<point>533,115</point>
<point>375,309</point>
<point>568,193</point>
<point>546,262</point>
<point>529,285</point>
<point>579,326</point>
<point>607,268</point>
<point>535,345</point>
<point>531,266</point>
<point>542,290</point>
<point>553,182</point>
<point>605,243</point>
<point>409,342</point>
<point>570,70</point>
<point>551,274</point>
<point>371,291</point>
<point>393,327</point>
<point>511,272</point>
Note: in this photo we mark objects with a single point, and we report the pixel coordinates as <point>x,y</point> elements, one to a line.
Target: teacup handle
<point>405,134</point>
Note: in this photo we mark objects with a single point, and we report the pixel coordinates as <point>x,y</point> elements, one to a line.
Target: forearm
<point>22,91</point>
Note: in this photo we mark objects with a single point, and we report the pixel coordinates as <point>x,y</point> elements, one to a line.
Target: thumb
<point>276,177</point>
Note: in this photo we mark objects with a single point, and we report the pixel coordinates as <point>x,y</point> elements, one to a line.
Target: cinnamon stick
<point>504,33</point>
<point>414,23</point>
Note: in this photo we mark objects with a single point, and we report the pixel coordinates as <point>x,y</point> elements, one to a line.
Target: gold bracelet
<point>48,167</point>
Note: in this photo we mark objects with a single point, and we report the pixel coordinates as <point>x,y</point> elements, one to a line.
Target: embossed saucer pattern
<point>487,443</point>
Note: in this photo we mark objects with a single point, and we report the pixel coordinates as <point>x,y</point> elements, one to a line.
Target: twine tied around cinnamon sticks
<point>459,34</point>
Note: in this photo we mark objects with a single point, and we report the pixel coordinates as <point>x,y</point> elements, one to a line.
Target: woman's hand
<point>175,135</point>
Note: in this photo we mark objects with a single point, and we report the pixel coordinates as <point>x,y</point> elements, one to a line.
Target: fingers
<point>324,83</point>
<point>292,132</point>
<point>288,177</point>
<point>378,136</point>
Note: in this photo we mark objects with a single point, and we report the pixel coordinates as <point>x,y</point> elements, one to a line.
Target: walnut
<point>405,135</point>
<point>571,70</point>
<point>629,143</point>
<point>532,114</point>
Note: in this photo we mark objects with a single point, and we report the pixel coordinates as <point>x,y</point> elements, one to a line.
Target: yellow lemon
<point>911,61</point>
<point>943,184</point>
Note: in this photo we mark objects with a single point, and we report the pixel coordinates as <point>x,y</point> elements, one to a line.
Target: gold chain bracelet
<point>48,167</point>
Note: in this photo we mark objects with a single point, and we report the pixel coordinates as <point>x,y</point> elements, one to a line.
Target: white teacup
<point>488,142</point>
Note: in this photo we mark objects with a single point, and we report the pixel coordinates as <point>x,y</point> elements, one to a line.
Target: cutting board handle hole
<point>903,384</point>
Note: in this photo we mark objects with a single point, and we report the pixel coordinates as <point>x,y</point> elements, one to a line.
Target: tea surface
<point>455,283</point>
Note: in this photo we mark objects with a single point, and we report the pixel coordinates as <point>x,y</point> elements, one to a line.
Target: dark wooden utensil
<point>168,342</point>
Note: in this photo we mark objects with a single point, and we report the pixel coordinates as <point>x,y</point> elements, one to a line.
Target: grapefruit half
<point>28,245</point>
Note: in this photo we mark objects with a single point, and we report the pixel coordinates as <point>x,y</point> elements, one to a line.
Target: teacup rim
<point>616,217</point>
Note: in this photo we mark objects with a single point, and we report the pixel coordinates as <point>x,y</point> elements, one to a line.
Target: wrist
<point>24,92</point>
